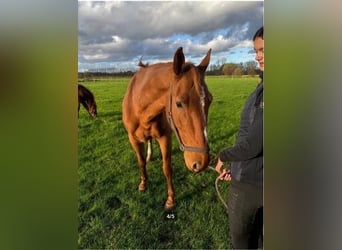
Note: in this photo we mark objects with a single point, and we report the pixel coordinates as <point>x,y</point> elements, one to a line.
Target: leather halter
<point>182,147</point>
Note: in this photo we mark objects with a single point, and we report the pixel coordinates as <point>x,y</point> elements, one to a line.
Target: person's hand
<point>225,175</point>
<point>218,166</point>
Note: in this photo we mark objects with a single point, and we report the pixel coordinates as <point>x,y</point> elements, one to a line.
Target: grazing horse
<point>166,97</point>
<point>87,99</point>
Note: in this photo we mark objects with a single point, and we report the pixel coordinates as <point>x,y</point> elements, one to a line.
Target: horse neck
<point>160,83</point>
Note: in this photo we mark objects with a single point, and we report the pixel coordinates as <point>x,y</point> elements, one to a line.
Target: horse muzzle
<point>196,162</point>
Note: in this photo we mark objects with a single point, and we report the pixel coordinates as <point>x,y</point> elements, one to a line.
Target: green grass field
<point>112,212</point>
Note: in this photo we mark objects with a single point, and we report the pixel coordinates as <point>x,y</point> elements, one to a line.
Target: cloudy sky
<point>116,34</point>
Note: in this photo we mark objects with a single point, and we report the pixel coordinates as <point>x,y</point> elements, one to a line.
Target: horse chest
<point>155,127</point>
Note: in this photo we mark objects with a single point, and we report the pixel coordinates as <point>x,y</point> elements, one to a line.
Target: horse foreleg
<point>165,147</point>
<point>139,150</point>
<point>149,150</point>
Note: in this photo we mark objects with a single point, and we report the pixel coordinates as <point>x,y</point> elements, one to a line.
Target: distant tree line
<point>218,68</point>
<point>89,76</point>
<point>234,69</point>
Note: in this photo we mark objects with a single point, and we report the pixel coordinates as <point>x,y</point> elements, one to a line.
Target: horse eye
<point>179,105</point>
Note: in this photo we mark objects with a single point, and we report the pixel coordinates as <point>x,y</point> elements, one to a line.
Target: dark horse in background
<point>166,97</point>
<point>86,98</point>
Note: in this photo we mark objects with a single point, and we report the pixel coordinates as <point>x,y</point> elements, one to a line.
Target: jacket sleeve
<point>248,147</point>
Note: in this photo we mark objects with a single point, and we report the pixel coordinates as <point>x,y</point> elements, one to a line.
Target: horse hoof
<point>169,206</point>
<point>142,187</point>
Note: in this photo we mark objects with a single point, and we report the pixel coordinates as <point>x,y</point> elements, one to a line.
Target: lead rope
<point>217,189</point>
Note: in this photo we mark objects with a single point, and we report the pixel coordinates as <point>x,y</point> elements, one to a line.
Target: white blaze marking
<point>204,117</point>
<point>205,134</point>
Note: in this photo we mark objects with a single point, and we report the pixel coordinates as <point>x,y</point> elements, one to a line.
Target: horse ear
<point>205,62</point>
<point>178,61</point>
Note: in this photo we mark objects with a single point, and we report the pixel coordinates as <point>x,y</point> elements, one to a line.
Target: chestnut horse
<point>166,97</point>
<point>87,99</point>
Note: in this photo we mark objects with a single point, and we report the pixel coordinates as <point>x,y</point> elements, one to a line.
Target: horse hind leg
<point>139,151</point>
<point>149,150</point>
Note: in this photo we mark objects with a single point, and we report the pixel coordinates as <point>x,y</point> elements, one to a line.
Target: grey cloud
<point>123,31</point>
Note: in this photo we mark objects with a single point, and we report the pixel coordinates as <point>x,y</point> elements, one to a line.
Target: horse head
<point>189,101</point>
<point>87,99</point>
<point>92,110</point>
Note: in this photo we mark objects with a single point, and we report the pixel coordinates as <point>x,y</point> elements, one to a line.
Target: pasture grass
<point>113,214</point>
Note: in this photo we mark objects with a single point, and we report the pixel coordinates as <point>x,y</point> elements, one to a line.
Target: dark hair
<point>259,33</point>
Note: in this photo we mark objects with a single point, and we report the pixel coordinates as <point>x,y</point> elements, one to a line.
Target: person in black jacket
<point>245,198</point>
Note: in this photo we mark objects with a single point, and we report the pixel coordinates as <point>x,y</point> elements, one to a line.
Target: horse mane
<point>186,67</point>
<point>141,64</point>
